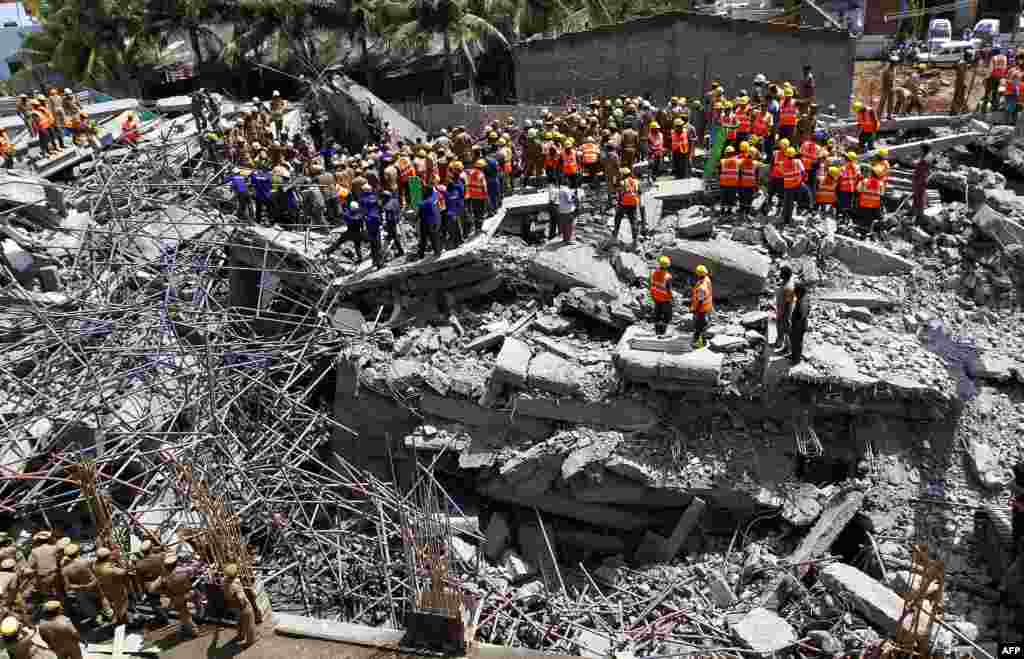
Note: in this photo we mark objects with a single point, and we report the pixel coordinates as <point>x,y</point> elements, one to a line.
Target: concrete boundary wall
<point>432,118</point>
<point>679,54</point>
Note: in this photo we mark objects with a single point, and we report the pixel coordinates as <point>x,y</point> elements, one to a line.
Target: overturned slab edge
<point>937,144</point>
<point>908,123</point>
<point>380,638</point>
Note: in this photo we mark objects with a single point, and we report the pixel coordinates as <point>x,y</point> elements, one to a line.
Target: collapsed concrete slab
<point>910,150</point>
<point>687,189</point>
<point>470,414</point>
<point>909,122</point>
<point>598,305</point>
<point>513,362</point>
<point>736,270</point>
<point>764,632</point>
<point>574,265</point>
<point>997,226</point>
<point>563,506</point>
<point>866,299</point>
<point>866,258</point>
<point>551,373</point>
<point>348,101</point>
<point>699,369</point>
<point>619,413</point>
<point>875,601</point>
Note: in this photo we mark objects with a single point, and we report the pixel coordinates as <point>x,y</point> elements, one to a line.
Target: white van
<point>986,30</point>
<point>940,30</point>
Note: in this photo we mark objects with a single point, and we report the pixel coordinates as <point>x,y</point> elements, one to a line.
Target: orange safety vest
<point>748,173</point>
<point>656,141</point>
<point>631,192</point>
<point>743,118</point>
<point>848,177</point>
<point>420,164</point>
<point>1010,87</point>
<point>476,185</point>
<point>569,166</point>
<point>701,301</point>
<point>788,114</point>
<point>507,167</point>
<point>729,122</point>
<point>681,141</point>
<point>777,160</point>
<point>871,193</point>
<point>729,174</point>
<point>405,169</point>
<point>826,192</point>
<point>439,195</point>
<point>999,65</point>
<point>809,154</point>
<point>885,169</point>
<point>762,124</point>
<point>868,120</point>
<point>590,153</point>
<point>550,155</point>
<point>793,174</point>
<point>660,292</point>
<point>43,122</point>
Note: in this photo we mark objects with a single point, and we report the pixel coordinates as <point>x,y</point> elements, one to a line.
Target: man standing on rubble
<point>785,298</point>
<point>661,295</point>
<point>430,222</point>
<point>44,566</point>
<point>59,632</point>
<point>628,205</point>
<point>80,584</point>
<point>198,111</point>
<point>177,585</point>
<point>922,172</point>
<point>701,305</point>
<point>235,597</point>
<point>278,106</point>
<point>149,568</point>
<point>563,204</point>
<point>959,104</point>
<point>886,96</point>
<point>114,584</point>
<point>263,192</point>
<point>798,322</point>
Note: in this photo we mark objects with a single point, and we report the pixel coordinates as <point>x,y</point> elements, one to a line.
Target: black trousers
<point>430,233</point>
<point>393,236</point>
<point>451,230</point>
<point>728,198</point>
<point>746,196</point>
<point>477,213</point>
<point>553,221</point>
<point>700,325</point>
<point>264,210</point>
<point>1017,522</point>
<point>680,165</point>
<point>656,161</point>
<point>629,212</point>
<point>788,199</point>
<point>243,206</point>
<point>796,341</point>
<point>57,135</point>
<point>662,316</point>
<point>376,251</point>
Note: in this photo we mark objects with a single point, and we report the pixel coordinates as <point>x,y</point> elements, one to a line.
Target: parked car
<point>951,52</point>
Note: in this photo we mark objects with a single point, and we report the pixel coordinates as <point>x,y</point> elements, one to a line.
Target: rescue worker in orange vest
<point>130,130</point>
<point>882,160</point>
<point>6,149</point>
<point>590,155</point>
<point>775,187</point>
<point>789,114</point>
<point>701,305</point>
<point>41,125</point>
<point>729,124</point>
<point>628,205</point>
<point>792,179</point>
<point>749,166</point>
<point>680,149</point>
<point>728,179</point>
<point>810,153</point>
<point>825,194</point>
<point>661,295</point>
<point>867,119</point>
<point>655,149</point>
<point>849,179</point>
<point>999,69</point>
<point>570,166</point>
<point>744,119</point>
<point>763,128</point>
<point>869,200</point>
<point>550,149</point>
<point>1011,90</point>
<point>476,196</point>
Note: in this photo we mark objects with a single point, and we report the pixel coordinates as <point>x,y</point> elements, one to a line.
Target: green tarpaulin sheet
<point>711,161</point>
<point>415,191</point>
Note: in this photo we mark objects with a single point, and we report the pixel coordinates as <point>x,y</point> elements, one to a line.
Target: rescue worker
<point>455,206</point>
<point>744,119</point>
<point>262,183</point>
<point>551,158</point>
<point>80,585</point>
<point>353,217</point>
<point>611,161</point>
<point>807,86</point>
<point>749,170</point>
<point>72,106</point>
<point>680,149</point>
<point>130,130</point>
<point>792,179</point>
<point>278,106</point>
<point>630,147</point>
<point>849,180</point>
<point>701,305</point>
<point>828,183</point>
<point>563,206</point>
<point>176,584</point>
<point>17,639</point>
<point>392,208</point>
<point>808,123</point>
<point>1011,90</point>
<point>8,586</point>
<point>198,109</point>
<point>59,633</point>
<point>913,99</point>
<point>23,107</point>
<point>999,67</point>
<point>370,204</point>
<point>56,107</point>
<point>785,298</point>
<point>798,322</point>
<point>885,101</point>
<point>775,176</point>
<point>789,115</point>
<point>7,149</point>
<point>590,156</point>
<point>655,149</point>
<point>235,597</point>
<point>430,223</point>
<point>882,159</point>
<point>149,568</point>
<point>763,127</point>
<point>959,104</point>
<point>919,182</point>
<point>628,205</point>
<point>114,584</point>
<point>661,295</point>
<point>869,200</point>
<point>313,203</point>
<point>534,156</point>
<point>7,547</point>
<point>728,179</point>
<point>570,167</point>
<point>44,567</point>
<point>476,196</point>
<point>867,120</point>
<point>810,153</point>
<point>41,124</point>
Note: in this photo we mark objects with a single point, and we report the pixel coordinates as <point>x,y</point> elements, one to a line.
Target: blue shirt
<point>370,204</point>
<point>429,213</point>
<point>454,197</point>
<point>353,216</point>
<point>262,184</point>
<point>392,209</point>
<point>327,153</point>
<point>491,170</point>
<point>239,184</point>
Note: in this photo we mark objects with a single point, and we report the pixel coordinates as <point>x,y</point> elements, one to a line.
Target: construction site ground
<point>938,79</point>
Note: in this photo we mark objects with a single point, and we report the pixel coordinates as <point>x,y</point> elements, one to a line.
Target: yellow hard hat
<point>922,66</point>
<point>624,171</point>
<point>729,150</point>
<point>52,605</point>
<point>883,152</point>
<point>728,105</point>
<point>502,142</point>
<point>833,171</point>
<point>701,271</point>
<point>8,564</point>
<point>790,152</point>
<point>71,550</point>
<point>10,626</point>
<point>677,122</point>
<point>664,261</point>
<point>788,93</point>
<point>549,135</point>
<point>421,154</point>
<point>570,143</point>
<point>744,147</point>
<point>783,143</point>
<point>492,135</point>
<point>231,570</point>
<point>858,106</point>
<point>850,155</point>
<point>744,100</point>
<point>480,164</point>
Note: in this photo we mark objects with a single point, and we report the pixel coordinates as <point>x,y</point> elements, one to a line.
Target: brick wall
<point>677,54</point>
<point>432,118</point>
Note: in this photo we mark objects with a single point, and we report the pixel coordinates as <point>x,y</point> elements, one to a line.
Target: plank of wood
<point>343,632</point>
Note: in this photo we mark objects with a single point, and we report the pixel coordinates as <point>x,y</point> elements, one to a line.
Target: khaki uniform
<point>534,158</point>
<point>24,648</point>
<point>44,562</point>
<point>56,106</point>
<point>235,597</point>
<point>62,637</point>
<point>114,584</point>
<point>8,592</point>
<point>80,580</point>
<point>630,144</point>
<point>177,586</point>
<point>10,551</point>
<point>71,104</point>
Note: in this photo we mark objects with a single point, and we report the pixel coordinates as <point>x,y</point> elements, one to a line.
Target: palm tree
<point>411,26</point>
<point>190,17</point>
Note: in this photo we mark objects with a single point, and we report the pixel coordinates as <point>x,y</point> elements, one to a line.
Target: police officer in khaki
<point>7,547</point>
<point>81,584</point>
<point>149,569</point>
<point>17,639</point>
<point>44,566</point>
<point>8,586</point>
<point>235,597</point>
<point>114,583</point>
<point>176,584</point>
<point>59,633</point>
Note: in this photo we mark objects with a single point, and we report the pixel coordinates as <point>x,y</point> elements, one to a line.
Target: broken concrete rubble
<point>575,264</point>
<point>736,270</point>
<point>698,369</point>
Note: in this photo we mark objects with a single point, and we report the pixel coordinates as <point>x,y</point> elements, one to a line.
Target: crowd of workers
<point>60,593</point>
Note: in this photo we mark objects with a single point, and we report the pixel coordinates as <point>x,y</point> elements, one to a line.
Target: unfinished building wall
<point>680,53</point>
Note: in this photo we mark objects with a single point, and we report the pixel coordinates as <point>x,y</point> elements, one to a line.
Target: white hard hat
<point>760,78</point>
<point>277,93</point>
<point>67,90</point>
<point>354,206</point>
<point>255,99</point>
